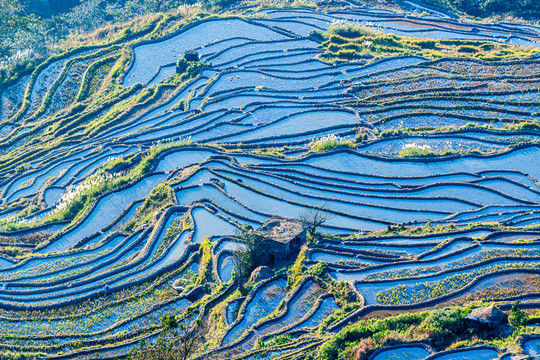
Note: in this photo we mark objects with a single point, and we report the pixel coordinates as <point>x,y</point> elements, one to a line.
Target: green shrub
<point>247,258</point>
<point>468,49</point>
<point>416,152</point>
<point>361,137</point>
<point>330,142</point>
<point>337,39</point>
<point>369,43</point>
<point>530,126</point>
<point>160,197</point>
<point>347,54</point>
<point>389,41</point>
<point>517,317</point>
<point>427,44</point>
<point>181,65</point>
<point>487,47</point>
<point>337,347</point>
<point>439,328</point>
<point>443,326</point>
<point>319,269</point>
<point>317,35</point>
<point>487,8</point>
<point>352,31</point>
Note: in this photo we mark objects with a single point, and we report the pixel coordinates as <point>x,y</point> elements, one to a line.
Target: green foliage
<point>146,163</point>
<point>343,292</point>
<point>319,272</point>
<point>30,209</point>
<point>8,355</point>
<point>81,197</point>
<point>330,142</point>
<point>361,137</point>
<point>517,317</point>
<point>179,339</point>
<point>320,269</point>
<point>205,265</point>
<point>415,152</point>
<point>352,31</point>
<point>181,65</point>
<point>338,315</point>
<point>530,126</point>
<point>276,341</point>
<point>439,328</point>
<point>317,35</point>
<point>297,269</point>
<point>338,346</point>
<point>33,30</point>
<point>487,8</point>
<point>345,42</point>
<point>269,152</point>
<point>254,253</point>
<point>160,197</point>
<point>169,322</point>
<point>188,69</point>
<point>311,238</point>
<point>471,49</point>
<point>444,326</point>
<point>390,229</point>
<point>90,78</point>
<point>13,251</point>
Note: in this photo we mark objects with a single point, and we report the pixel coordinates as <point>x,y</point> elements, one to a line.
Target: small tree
<point>181,65</point>
<point>169,322</point>
<point>190,336</point>
<point>517,316</point>
<point>188,68</point>
<point>443,326</point>
<point>315,218</point>
<point>178,340</point>
<point>247,257</point>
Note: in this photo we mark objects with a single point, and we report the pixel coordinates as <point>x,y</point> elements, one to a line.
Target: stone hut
<point>183,63</point>
<point>285,237</point>
<point>486,318</point>
<point>191,55</point>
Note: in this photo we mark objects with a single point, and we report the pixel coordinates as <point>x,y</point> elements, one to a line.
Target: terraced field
<point>124,185</point>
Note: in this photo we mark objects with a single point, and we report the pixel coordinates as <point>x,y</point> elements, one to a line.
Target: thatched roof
<point>191,55</point>
<point>281,229</point>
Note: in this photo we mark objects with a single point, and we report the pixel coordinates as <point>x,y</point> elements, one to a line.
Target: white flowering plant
<point>416,149</point>
<point>329,142</point>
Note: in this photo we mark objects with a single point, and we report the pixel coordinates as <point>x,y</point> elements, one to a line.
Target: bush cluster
<point>438,328</point>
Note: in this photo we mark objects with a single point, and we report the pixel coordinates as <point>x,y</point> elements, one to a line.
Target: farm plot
<point>128,190</point>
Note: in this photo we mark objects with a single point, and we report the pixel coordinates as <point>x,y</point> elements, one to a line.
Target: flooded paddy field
<point>125,195</point>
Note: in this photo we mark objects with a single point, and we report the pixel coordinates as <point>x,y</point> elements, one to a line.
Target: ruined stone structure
<point>191,55</point>
<point>285,236</point>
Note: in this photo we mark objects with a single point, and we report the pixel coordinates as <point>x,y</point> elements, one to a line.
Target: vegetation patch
<point>330,142</point>
<point>353,42</point>
<point>159,198</point>
<point>529,9</point>
<point>441,329</point>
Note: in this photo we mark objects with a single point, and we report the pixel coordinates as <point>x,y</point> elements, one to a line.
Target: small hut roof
<point>191,55</point>
<point>281,229</point>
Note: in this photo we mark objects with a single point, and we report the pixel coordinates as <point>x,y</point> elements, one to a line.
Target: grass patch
<point>418,150</point>
<point>346,42</point>
<point>440,328</point>
<point>161,197</point>
<point>330,142</point>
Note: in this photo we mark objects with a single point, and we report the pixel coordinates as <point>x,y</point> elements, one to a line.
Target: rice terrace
<point>337,179</point>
